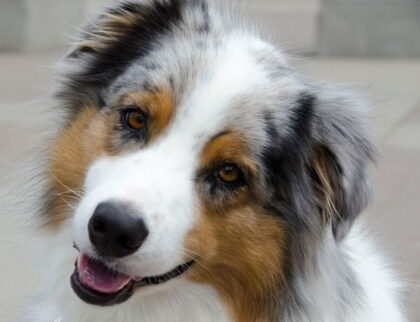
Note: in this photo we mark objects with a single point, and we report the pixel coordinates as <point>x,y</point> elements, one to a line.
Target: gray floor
<point>392,86</point>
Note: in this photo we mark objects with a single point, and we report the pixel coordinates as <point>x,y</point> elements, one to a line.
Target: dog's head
<point>193,149</point>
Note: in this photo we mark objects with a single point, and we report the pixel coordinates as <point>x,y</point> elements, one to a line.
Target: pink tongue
<point>95,275</point>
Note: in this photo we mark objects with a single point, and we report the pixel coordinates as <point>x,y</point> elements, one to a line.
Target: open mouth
<point>97,284</point>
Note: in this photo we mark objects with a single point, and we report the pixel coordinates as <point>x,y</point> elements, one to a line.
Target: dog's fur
<point>282,245</point>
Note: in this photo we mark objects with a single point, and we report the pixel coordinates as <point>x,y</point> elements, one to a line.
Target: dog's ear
<point>103,48</point>
<point>126,31</point>
<point>340,156</point>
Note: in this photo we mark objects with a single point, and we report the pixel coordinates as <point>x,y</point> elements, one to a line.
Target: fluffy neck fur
<point>348,281</point>
<point>342,281</point>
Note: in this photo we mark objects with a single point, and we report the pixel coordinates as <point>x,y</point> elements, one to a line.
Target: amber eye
<point>135,119</point>
<point>229,173</point>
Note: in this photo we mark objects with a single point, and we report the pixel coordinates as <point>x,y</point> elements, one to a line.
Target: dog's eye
<point>229,173</point>
<point>135,119</point>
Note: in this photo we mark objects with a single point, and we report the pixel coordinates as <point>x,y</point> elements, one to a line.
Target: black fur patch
<point>154,19</point>
<point>301,118</point>
<point>285,162</point>
<point>284,154</point>
<point>205,27</point>
<point>137,40</point>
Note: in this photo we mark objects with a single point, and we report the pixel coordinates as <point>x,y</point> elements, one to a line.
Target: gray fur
<point>295,116</point>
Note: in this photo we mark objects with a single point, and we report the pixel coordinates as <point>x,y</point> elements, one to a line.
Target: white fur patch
<point>159,180</point>
<point>228,81</point>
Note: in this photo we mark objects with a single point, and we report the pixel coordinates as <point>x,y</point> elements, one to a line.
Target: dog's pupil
<point>229,173</point>
<point>136,119</point>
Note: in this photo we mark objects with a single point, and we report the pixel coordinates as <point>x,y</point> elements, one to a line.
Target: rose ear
<point>105,29</point>
<point>119,34</point>
<point>340,158</point>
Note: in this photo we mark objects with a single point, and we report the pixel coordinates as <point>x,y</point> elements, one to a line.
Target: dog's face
<point>194,150</point>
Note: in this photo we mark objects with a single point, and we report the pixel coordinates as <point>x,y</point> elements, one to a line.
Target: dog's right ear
<point>127,31</point>
<point>106,29</point>
<point>104,47</point>
<point>340,155</point>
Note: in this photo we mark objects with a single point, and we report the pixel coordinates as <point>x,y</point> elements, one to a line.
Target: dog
<point>197,176</point>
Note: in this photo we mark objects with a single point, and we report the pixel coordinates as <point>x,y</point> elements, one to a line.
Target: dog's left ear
<point>340,156</point>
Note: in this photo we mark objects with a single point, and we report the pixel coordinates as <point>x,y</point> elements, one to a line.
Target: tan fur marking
<point>109,28</point>
<point>158,104</point>
<point>329,211</point>
<point>89,45</point>
<point>75,149</point>
<point>87,138</point>
<point>125,18</point>
<point>239,247</point>
<point>229,147</point>
<point>240,253</point>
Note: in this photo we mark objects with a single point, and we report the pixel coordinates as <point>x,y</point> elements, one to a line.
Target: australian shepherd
<point>198,177</point>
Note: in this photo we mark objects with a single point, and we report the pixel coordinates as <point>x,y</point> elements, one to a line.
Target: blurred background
<point>370,45</point>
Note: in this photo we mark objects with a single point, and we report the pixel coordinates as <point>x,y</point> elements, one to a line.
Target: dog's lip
<point>97,276</point>
<point>91,296</point>
<point>122,289</point>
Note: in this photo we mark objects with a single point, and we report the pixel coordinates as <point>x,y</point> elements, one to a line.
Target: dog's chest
<point>183,302</point>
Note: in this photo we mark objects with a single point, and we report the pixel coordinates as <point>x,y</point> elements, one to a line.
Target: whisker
<point>194,255</point>
<point>68,194</point>
<point>67,203</point>
<point>65,186</point>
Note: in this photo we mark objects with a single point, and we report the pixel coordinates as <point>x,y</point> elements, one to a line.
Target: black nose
<point>115,230</point>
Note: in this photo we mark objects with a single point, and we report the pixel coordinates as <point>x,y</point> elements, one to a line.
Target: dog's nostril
<point>115,230</point>
<point>99,225</point>
<point>128,242</point>
<point>132,242</point>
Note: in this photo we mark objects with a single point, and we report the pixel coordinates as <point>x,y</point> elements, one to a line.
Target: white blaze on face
<point>158,180</point>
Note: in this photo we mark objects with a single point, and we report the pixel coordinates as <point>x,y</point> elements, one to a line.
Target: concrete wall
<point>92,6</point>
<point>291,23</point>
<point>12,26</point>
<point>326,27</point>
<point>370,28</point>
<point>34,24</point>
